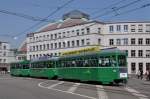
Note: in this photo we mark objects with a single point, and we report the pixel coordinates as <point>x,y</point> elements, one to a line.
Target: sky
<point>13,29</point>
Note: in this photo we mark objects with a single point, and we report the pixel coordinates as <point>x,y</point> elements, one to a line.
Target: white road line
<point>41,83</point>
<point>54,85</point>
<point>74,87</point>
<point>101,93</point>
<point>136,93</point>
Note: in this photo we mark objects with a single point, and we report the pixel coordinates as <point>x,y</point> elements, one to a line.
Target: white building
<point>76,31</point>
<point>6,56</point>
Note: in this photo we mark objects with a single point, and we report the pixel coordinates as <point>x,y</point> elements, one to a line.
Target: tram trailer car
<point>44,68</point>
<point>105,66</point>
<point>20,68</point>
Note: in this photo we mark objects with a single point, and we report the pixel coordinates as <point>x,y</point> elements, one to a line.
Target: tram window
<point>73,63</point>
<point>113,61</point>
<point>122,60</point>
<point>48,65</point>
<point>104,62</point>
<point>85,63</point>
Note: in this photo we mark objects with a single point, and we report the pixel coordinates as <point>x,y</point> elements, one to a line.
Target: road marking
<point>74,87</point>
<point>101,93</point>
<point>54,85</point>
<point>136,93</point>
<point>41,83</point>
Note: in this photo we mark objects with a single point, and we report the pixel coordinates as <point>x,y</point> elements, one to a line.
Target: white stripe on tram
<point>101,93</point>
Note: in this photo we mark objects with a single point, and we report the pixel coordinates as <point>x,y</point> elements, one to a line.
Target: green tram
<point>20,68</point>
<point>44,67</point>
<point>105,66</point>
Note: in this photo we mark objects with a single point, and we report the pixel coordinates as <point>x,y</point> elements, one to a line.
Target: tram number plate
<point>123,75</point>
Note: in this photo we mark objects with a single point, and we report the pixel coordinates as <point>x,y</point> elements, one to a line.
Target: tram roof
<point>23,61</point>
<point>100,52</point>
<point>44,59</point>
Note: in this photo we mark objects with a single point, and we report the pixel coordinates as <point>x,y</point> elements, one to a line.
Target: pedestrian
<point>141,74</point>
<point>147,74</point>
<point>138,74</point>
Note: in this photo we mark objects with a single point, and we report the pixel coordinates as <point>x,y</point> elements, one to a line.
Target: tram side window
<point>79,63</point>
<point>113,60</point>
<point>104,62</point>
<point>122,60</point>
<point>26,66</point>
<point>49,64</point>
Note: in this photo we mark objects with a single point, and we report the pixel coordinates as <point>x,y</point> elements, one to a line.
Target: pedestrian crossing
<point>90,91</point>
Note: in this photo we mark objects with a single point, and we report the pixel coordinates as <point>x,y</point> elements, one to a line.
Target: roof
<point>64,24</point>
<point>117,22</point>
<point>23,47</point>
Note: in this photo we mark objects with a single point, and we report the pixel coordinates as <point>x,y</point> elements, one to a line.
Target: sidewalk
<point>143,81</point>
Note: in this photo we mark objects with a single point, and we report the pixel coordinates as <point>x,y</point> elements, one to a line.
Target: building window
<point>111,28</point>
<point>147,41</point>
<point>99,30</point>
<point>133,53</point>
<point>140,41</point>
<point>77,31</point>
<point>148,53</point>
<point>33,48</point>
<point>52,46</point>
<point>132,41</point>
<point>68,33</point>
<point>64,44</point>
<point>59,35</point>
<point>51,36</point>
<point>132,28</point>
<point>140,53</point>
<point>140,28</point>
<point>82,31</point>
<point>44,47</point>
<point>118,27</point>
<point>37,48</point>
<point>125,41</point>
<point>82,42</point>
<point>133,68</point>
<point>118,42</point>
<point>64,35</point>
<point>36,55</point>
<point>148,28</point>
<point>88,30</point>
<point>55,36</point>
<point>68,43</point>
<point>126,52</point>
<point>88,41</point>
<point>147,66</point>
<point>99,41</point>
<point>4,47</point>
<point>140,66</point>
<point>125,28</point>
<point>59,44</point>
<point>48,46</point>
<point>73,43</point>
<point>47,36</point>
<point>55,45</point>
<point>111,42</point>
<point>77,42</point>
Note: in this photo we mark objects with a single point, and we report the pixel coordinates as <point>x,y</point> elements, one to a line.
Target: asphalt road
<point>30,88</point>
